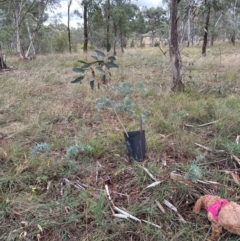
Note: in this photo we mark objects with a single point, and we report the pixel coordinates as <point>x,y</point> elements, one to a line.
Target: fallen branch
<point>202,125</point>
<point>208,149</point>
<point>124,214</point>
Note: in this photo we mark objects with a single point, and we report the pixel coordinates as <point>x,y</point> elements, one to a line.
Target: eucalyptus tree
<point>208,7</point>
<point>233,7</point>
<point>187,15</point>
<point>22,10</point>
<point>155,18</point>
<point>139,25</point>
<point>68,27</point>
<point>218,14</point>
<point>174,47</point>
<point>91,10</point>
<point>27,17</point>
<point>123,15</point>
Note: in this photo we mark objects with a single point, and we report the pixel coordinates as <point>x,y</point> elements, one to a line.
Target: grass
<point>43,195</point>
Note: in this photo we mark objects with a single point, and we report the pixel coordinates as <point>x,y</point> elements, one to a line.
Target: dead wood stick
<point>202,125</point>
<point>236,159</point>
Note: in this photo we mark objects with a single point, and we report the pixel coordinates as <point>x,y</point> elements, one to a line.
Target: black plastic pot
<point>136,144</point>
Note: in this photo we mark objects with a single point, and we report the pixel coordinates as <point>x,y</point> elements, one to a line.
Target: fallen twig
<point>236,159</point>
<point>154,184</point>
<point>153,224</point>
<point>202,125</point>
<point>209,149</point>
<point>168,204</point>
<point>237,139</point>
<point>124,214</point>
<point>78,185</point>
<point>160,206</point>
<point>203,147</point>
<point>149,174</point>
<point>207,163</point>
<point>164,53</point>
<point>98,165</point>
<point>208,182</point>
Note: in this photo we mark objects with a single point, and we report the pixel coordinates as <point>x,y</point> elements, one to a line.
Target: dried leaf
<point>226,171</point>
<point>176,177</point>
<point>118,215</point>
<point>164,161</point>
<point>237,139</point>
<point>38,237</point>
<point>236,159</point>
<point>160,206</point>
<point>24,223</point>
<point>181,218</point>
<point>67,209</point>
<point>154,184</point>
<point>3,154</point>
<point>23,235</point>
<point>168,204</point>
<point>40,228</point>
<point>49,185</point>
<point>126,214</point>
<point>235,178</point>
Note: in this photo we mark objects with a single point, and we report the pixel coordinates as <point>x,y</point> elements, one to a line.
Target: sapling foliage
<point>40,147</point>
<point>101,63</point>
<point>74,150</point>
<point>195,171</point>
<point>124,88</point>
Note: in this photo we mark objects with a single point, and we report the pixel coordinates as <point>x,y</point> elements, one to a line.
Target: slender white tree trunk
<point>189,30</point>
<point>31,38</point>
<point>17,19</point>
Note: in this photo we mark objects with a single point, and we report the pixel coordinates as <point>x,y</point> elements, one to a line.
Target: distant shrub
<point>156,44</point>
<point>61,43</point>
<point>132,44</point>
<point>90,46</point>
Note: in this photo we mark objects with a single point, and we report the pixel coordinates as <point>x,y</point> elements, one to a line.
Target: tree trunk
<point>68,27</point>
<point>18,29</point>
<point>234,23</point>
<point>85,26</point>
<point>115,38</point>
<point>233,38</point>
<point>2,62</point>
<point>174,49</point>
<point>153,37</point>
<point>121,42</point>
<point>31,38</point>
<point>205,37</point>
<point>189,30</point>
<point>108,23</point>
<point>141,41</point>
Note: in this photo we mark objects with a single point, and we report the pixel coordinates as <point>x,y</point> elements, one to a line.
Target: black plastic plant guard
<point>136,144</point>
